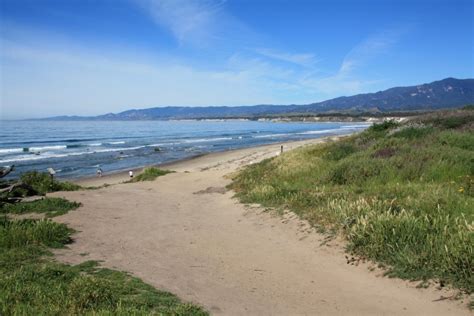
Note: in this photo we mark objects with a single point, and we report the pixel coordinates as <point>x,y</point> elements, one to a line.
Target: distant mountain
<point>443,94</point>
<point>447,93</point>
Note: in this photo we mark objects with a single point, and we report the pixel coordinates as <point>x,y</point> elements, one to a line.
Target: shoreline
<point>120,176</point>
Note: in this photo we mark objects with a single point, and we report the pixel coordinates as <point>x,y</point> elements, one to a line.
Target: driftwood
<point>5,192</point>
<point>10,188</point>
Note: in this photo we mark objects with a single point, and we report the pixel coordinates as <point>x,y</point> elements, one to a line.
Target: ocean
<point>77,148</point>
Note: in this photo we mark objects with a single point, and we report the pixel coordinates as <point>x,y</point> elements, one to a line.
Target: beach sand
<point>185,233</point>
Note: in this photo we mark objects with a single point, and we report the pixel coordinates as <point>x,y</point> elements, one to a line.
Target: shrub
<point>42,183</point>
<point>384,126</point>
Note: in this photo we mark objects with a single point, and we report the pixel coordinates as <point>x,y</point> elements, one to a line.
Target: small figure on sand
<point>51,172</point>
<point>99,172</point>
<point>130,173</point>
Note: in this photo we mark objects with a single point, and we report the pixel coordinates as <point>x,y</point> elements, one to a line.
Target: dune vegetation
<point>402,194</point>
<point>150,174</point>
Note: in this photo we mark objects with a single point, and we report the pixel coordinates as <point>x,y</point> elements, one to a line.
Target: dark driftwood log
<point>5,192</point>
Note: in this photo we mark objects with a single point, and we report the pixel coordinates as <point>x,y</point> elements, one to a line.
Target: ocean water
<point>77,149</point>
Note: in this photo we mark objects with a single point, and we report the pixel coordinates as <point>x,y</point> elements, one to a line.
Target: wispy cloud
<point>305,60</point>
<point>188,20</point>
<point>370,48</point>
<point>201,21</point>
<point>349,78</point>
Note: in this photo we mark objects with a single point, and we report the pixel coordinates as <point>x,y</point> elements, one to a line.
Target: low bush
<point>384,126</point>
<point>42,183</point>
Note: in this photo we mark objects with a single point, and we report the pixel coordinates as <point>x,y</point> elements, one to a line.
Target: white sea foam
<point>203,140</point>
<point>10,150</point>
<point>4,151</point>
<point>56,147</point>
<point>273,135</point>
<point>49,156</point>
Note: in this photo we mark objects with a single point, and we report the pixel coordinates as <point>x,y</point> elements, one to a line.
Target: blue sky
<point>91,57</point>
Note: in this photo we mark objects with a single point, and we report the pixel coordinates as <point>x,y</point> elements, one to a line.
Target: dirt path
<point>184,233</point>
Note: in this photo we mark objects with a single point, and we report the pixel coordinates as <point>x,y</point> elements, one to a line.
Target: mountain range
<point>442,94</point>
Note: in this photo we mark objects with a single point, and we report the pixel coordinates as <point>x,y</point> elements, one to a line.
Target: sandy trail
<point>184,233</point>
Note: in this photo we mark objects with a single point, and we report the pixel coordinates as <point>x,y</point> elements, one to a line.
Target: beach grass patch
<point>42,183</point>
<point>51,206</point>
<point>150,174</point>
<point>412,132</point>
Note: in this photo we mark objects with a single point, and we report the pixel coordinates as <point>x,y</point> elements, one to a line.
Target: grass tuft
<point>150,174</point>
<point>50,206</point>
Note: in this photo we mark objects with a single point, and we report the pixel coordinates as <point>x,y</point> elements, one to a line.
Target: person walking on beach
<point>99,172</point>
<point>130,173</point>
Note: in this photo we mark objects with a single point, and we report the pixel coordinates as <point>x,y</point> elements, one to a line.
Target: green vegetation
<point>35,183</point>
<point>50,206</point>
<point>150,174</point>
<point>42,183</point>
<point>402,194</point>
<point>32,283</point>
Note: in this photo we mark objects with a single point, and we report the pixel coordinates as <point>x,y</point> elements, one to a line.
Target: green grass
<point>150,174</point>
<point>401,194</point>
<point>41,182</point>
<point>37,183</point>
<point>32,283</point>
<point>50,206</point>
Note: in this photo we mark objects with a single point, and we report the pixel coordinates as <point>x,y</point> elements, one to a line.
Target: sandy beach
<point>185,233</point>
